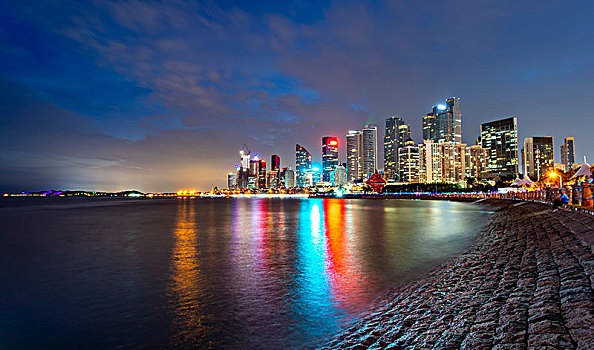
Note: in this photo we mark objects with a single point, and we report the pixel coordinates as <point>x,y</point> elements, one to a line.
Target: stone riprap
<point>527,283</point>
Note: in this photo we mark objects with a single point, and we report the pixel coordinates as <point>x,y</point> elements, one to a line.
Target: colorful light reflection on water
<point>212,273</point>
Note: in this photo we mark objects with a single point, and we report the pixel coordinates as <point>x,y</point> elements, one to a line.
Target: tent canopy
<point>585,170</point>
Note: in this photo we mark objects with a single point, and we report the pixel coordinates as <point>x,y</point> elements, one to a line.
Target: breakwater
<point>527,283</point>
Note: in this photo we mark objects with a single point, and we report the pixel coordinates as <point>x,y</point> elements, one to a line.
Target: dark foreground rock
<point>527,284</point>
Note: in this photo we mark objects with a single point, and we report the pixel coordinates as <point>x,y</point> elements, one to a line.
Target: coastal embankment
<point>526,283</point>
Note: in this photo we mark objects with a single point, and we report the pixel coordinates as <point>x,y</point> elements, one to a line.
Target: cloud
<point>164,93</point>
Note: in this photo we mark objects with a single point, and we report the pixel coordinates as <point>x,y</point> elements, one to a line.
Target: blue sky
<point>161,95</point>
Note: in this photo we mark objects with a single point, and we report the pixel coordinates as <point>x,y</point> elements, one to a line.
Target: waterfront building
<point>353,154</point>
<point>408,162</point>
<point>538,156</point>
<point>448,121</point>
<point>391,144</point>
<point>430,162</point>
<point>476,161</point>
<point>274,179</point>
<point>287,178</point>
<point>500,137</point>
<point>329,157</point>
<point>340,175</point>
<point>242,177</point>
<point>302,166</point>
<point>430,126</point>
<point>376,182</point>
<point>369,151</point>
<point>262,180</point>
<point>568,152</point>
<point>253,176</point>
<point>231,181</point>
<point>274,162</point>
<point>452,161</point>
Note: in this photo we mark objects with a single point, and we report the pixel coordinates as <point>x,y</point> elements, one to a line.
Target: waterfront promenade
<point>527,283</point>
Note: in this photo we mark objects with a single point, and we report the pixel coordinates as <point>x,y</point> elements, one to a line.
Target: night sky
<point>157,96</point>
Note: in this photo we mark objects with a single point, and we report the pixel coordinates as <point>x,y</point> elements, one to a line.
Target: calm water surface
<point>220,273</point>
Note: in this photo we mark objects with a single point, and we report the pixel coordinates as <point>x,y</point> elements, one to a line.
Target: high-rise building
<point>430,162</point>
<point>391,145</point>
<point>231,181</point>
<point>340,175</point>
<point>568,152</point>
<point>329,157</point>
<point>302,165</point>
<point>274,162</point>
<point>501,138</point>
<point>369,151</point>
<point>476,161</point>
<point>287,178</point>
<point>254,173</point>
<point>538,156</point>
<point>430,126</point>
<point>353,154</point>
<point>396,135</point>
<point>447,123</point>
<point>408,162</point>
<point>262,180</point>
<point>452,161</point>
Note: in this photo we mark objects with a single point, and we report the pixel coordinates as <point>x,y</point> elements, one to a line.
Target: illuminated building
<point>430,162</point>
<point>453,162</point>
<point>274,162</point>
<point>302,165</point>
<point>253,176</point>
<point>287,178</point>
<point>538,156</point>
<point>262,183</point>
<point>231,181</point>
<point>568,152</point>
<point>353,155</point>
<point>476,161</point>
<point>391,145</point>
<point>444,124</point>
<point>369,151</point>
<point>430,126</point>
<point>340,175</point>
<point>500,137</point>
<point>376,182</point>
<point>243,170</point>
<point>408,162</point>
<point>274,173</point>
<point>329,157</point>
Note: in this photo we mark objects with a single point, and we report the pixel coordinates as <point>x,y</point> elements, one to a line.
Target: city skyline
<point>113,96</point>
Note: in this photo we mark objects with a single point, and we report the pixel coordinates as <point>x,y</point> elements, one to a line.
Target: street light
<point>554,174</point>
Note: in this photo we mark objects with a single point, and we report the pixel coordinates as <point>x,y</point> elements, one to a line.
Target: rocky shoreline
<point>527,283</point>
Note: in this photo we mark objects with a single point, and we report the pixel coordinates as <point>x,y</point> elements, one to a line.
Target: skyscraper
<point>353,155</point>
<point>262,183</point>
<point>538,156</point>
<point>369,151</point>
<point>287,178</point>
<point>430,162</point>
<point>408,162</point>
<point>274,162</point>
<point>391,145</point>
<point>340,175</point>
<point>430,126</point>
<point>329,157</point>
<point>568,152</point>
<point>501,138</point>
<point>476,161</point>
<point>231,181</point>
<point>445,123</point>
<point>302,165</point>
